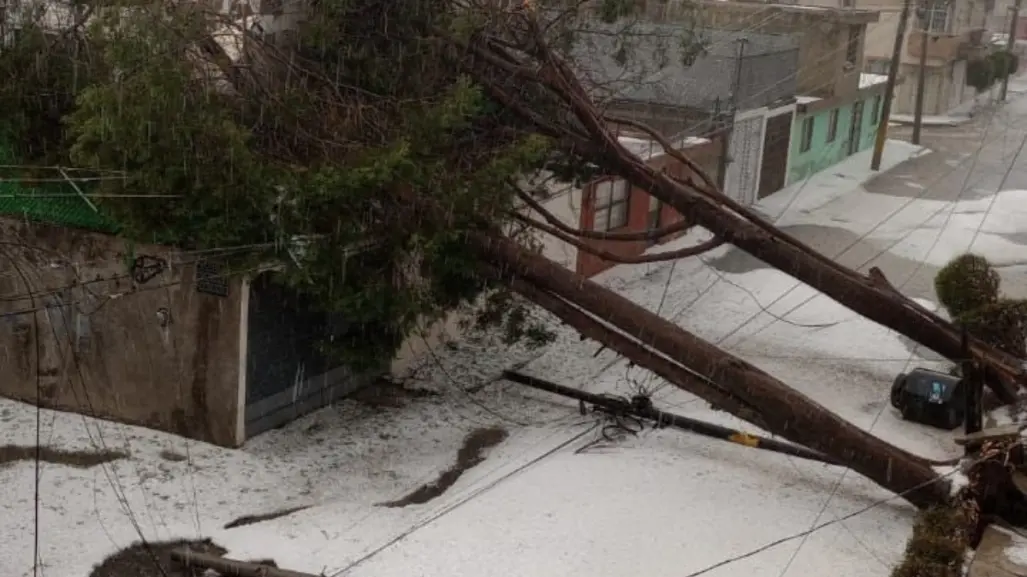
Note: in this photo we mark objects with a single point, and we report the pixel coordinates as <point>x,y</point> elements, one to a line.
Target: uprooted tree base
<point>943,534</point>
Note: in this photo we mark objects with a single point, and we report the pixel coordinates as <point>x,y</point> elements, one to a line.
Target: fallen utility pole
<point>229,567</point>
<point>641,407</point>
<point>889,88</point>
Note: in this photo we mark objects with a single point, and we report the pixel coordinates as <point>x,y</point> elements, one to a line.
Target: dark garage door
<point>776,140</point>
<point>286,373</point>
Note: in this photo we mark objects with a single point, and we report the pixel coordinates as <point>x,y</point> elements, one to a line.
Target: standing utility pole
<point>889,89</point>
<point>924,16</point>
<point>1013,21</point>
<point>973,391</point>
<point>725,138</point>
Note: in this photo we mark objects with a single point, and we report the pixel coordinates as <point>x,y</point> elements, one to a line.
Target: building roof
<point>822,13</point>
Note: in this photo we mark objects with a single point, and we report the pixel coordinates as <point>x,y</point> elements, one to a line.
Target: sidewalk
<point>960,114</point>
<point>804,196</point>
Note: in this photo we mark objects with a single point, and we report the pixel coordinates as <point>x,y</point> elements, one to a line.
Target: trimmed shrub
<point>966,283</point>
<point>980,74</point>
<point>1002,64</point>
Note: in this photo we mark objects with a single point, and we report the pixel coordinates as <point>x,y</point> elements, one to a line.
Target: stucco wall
<point>823,154</point>
<point>822,35</point>
<point>102,348</point>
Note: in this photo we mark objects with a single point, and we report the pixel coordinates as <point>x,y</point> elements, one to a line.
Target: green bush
<point>980,74</point>
<point>1001,324</point>
<point>968,287</point>
<point>968,282</point>
<point>1003,64</point>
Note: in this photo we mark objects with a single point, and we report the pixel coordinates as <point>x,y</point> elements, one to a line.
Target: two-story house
<point>836,106</point>
<point>956,35</point>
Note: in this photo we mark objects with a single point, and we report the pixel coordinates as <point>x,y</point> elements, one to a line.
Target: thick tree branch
<point>786,412</point>
<point>740,226</point>
<point>668,148</point>
<point>593,329</point>
<point>611,257</point>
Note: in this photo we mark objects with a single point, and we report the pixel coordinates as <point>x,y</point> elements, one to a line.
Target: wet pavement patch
<point>468,457</point>
<point>253,519</point>
<point>79,459</point>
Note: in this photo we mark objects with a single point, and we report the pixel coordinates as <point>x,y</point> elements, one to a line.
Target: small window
<point>832,126</point>
<point>852,46</point>
<point>875,110</point>
<point>655,207</point>
<point>611,205</point>
<point>806,138</point>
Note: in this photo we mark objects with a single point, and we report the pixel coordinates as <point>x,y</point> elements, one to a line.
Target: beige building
<point>956,36</point>
<point>152,336</point>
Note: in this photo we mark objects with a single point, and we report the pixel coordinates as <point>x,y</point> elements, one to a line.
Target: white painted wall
<point>566,206</point>
<point>750,125</point>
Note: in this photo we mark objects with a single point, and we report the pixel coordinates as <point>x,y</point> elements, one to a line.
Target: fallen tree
<point>586,132</point>
<point>369,133</point>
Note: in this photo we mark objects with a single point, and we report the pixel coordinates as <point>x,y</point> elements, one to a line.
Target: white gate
<point>745,152</point>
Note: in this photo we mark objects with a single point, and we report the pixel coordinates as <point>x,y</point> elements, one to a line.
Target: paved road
<point>968,162</point>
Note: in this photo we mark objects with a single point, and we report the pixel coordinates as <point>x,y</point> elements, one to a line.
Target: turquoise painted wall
<point>823,154</point>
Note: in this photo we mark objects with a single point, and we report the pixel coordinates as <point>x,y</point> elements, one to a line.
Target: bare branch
<point>619,236</point>
<point>611,257</point>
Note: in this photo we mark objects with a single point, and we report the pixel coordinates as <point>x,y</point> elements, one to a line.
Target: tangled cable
<point>619,417</point>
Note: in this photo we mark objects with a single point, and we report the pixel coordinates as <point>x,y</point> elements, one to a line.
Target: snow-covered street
<point>664,503</point>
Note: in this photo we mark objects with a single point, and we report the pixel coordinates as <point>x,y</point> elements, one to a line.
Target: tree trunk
<point>871,298</point>
<point>782,411</point>
<point>589,137</point>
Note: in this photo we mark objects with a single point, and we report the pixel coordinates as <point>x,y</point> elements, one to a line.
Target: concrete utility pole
<point>1010,42</point>
<point>889,89</point>
<point>925,18</point>
<point>728,134</point>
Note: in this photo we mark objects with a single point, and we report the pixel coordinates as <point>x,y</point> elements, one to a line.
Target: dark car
<point>929,397</point>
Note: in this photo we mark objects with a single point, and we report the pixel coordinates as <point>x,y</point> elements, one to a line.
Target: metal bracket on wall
<point>209,279</point>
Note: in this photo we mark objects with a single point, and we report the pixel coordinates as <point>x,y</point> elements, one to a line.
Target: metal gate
<point>856,130</point>
<point>774,165</point>
<point>744,150</point>
<point>287,375</point>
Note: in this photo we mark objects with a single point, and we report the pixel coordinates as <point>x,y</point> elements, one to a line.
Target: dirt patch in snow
<point>469,456</point>
<point>252,519</point>
<point>79,459</point>
<point>153,560</point>
<point>385,393</point>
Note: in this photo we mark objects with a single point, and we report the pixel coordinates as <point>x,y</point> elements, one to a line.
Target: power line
<point>863,237</point>
<point>858,512</point>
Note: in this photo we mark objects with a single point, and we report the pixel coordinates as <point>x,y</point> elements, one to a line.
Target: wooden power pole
<point>889,89</point>
<point>1010,42</point>
<point>924,18</point>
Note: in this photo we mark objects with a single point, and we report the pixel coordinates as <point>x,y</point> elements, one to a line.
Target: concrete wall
<point>822,35</point>
<point>944,88</point>
<point>823,154</point>
<point>103,348</point>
